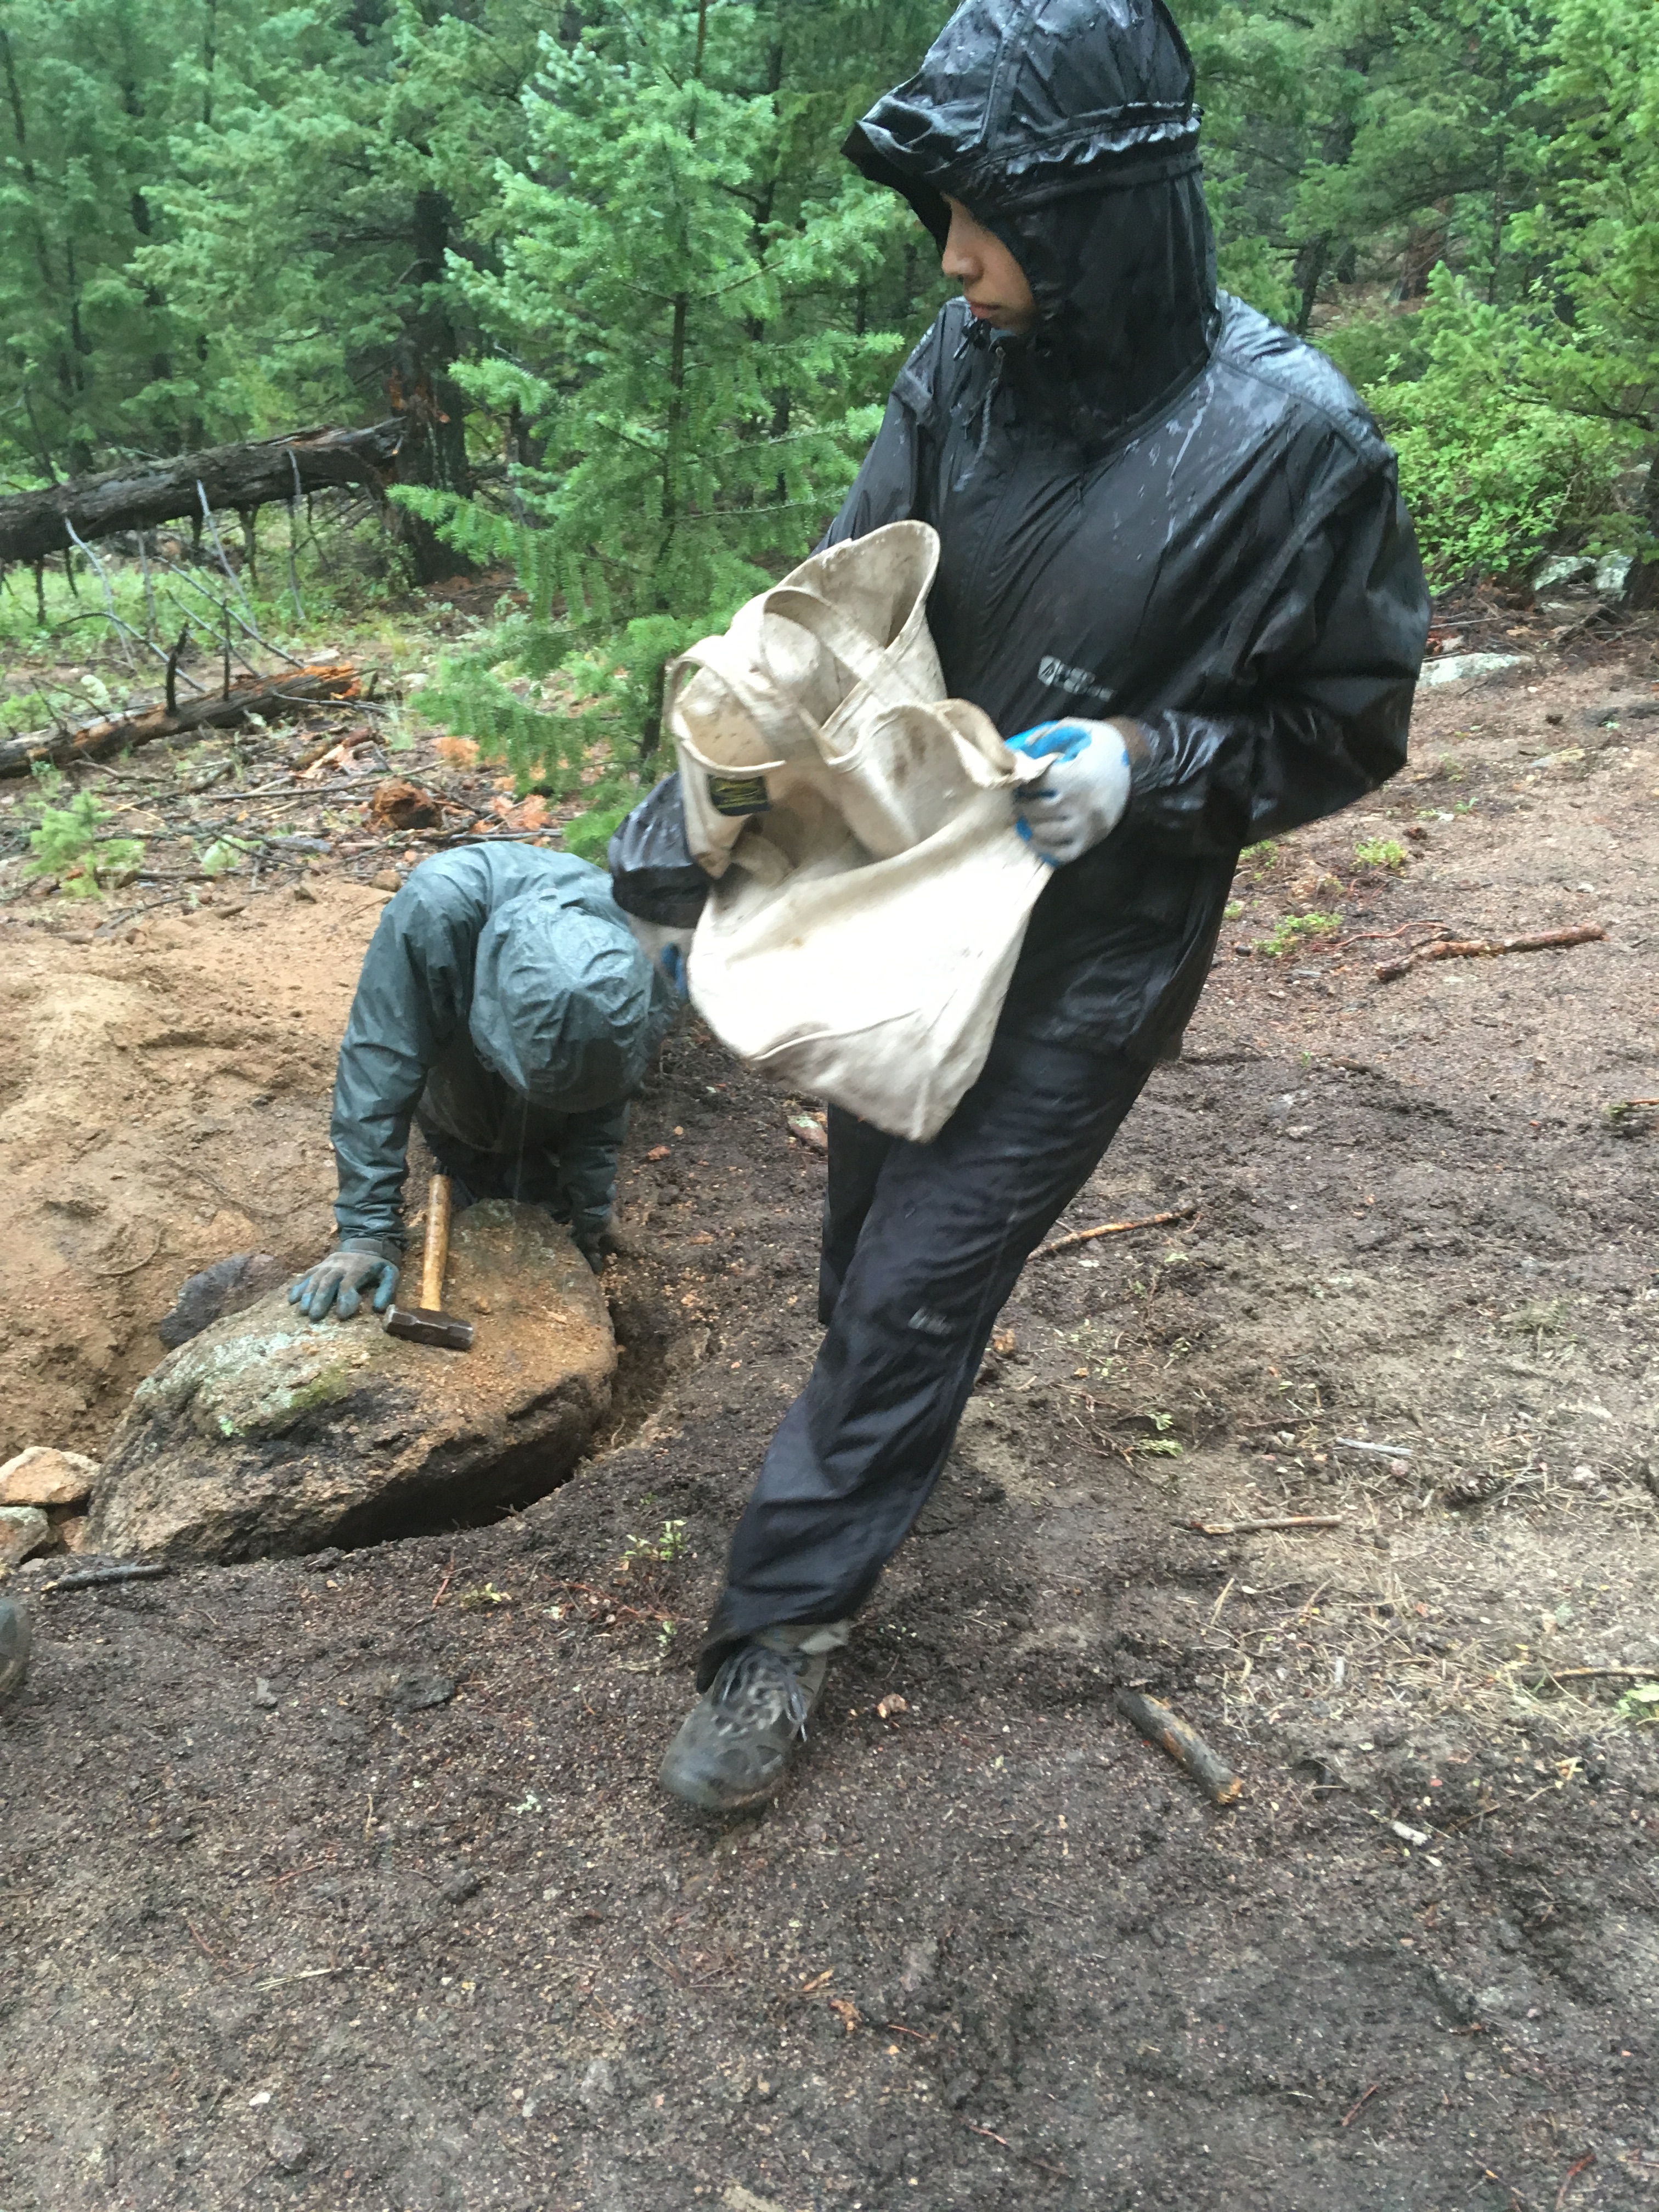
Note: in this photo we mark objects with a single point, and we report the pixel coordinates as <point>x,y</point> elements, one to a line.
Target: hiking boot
<point>13,1646</point>
<point>734,1746</point>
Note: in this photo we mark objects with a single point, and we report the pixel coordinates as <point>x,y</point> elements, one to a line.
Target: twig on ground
<point>1184,1745</point>
<point>1597,1674</point>
<point>1365,2099</point>
<point>1481,948</point>
<point>1114,1229</point>
<point>1573,2172</point>
<point>616,1605</point>
<point>90,1577</point>
<point>1263,1527</point>
<point>448,1575</point>
<point>1381,1451</point>
<point>990,2135</point>
<point>202,1943</point>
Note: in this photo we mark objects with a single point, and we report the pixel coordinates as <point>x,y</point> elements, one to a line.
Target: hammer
<point>427,1323</point>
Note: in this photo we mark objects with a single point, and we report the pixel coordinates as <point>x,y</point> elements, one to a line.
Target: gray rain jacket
<point>504,995</point>
<point>1157,505</point>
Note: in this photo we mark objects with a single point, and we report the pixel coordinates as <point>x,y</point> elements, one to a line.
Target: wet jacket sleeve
<point>589,1147</point>
<point>1335,660</point>
<point>412,996</point>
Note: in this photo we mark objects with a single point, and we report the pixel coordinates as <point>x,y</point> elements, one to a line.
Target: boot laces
<point>755,1673</point>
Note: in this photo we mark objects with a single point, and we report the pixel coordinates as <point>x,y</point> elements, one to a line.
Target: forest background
<point>639,318</point>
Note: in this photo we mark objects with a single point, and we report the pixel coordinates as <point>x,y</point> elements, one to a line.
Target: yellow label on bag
<point>738,794</point>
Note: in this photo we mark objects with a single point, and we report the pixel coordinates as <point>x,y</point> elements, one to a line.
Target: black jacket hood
<point>1068,128</point>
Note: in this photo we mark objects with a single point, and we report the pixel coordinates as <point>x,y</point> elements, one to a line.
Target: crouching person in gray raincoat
<point>504,1005</point>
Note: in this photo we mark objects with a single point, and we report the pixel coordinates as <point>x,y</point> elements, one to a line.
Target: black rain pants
<point>922,1244</point>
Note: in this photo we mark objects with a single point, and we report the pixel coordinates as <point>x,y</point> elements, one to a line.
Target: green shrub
<point>1380,852</point>
<point>1286,935</point>
<point>1492,473</point>
<point>67,844</point>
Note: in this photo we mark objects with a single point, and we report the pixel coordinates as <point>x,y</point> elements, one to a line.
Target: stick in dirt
<point>1112,1229</point>
<point>1261,1527</point>
<point>1184,1745</point>
<point>90,1577</point>
<point>1481,948</point>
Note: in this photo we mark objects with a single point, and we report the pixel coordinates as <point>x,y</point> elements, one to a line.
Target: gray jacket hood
<point>566,1008</point>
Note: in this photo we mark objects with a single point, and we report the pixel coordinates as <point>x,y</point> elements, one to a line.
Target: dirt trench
<point>346,1883</point>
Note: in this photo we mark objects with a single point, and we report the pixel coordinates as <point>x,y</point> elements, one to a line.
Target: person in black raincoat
<point>1175,563</point>
<point>505,1003</point>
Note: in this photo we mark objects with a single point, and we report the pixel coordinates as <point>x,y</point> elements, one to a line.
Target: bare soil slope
<point>344,1883</point>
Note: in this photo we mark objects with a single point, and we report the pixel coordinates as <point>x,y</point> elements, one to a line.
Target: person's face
<point>992,282</point>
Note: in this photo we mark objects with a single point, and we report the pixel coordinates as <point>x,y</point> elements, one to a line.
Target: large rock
<point>267,1433</point>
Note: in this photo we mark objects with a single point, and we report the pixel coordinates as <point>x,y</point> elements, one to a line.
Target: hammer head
<point>425,1325</point>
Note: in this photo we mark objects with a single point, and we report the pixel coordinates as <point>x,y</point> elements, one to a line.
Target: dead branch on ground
<point>1484,948</point>
<point>1184,1745</point>
<point>270,697</point>
<point>1112,1229</point>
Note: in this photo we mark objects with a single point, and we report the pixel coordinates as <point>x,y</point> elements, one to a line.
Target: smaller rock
<point>41,1476</point>
<point>420,1693</point>
<point>228,1286</point>
<point>1611,574</point>
<point>1564,569</point>
<point>287,2146</point>
<point>456,1887</point>
<point>388,879</point>
<point>303,892</point>
<point>1466,667</point>
<point>72,1531</point>
<point>23,1529</point>
<point>263,1696</point>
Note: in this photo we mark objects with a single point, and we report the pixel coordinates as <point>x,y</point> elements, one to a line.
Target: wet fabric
<point>1157,505</point>
<point>504,995</point>
<point>922,1244</point>
<point>1156,508</point>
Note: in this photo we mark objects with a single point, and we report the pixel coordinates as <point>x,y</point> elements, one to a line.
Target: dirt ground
<point>344,1882</point>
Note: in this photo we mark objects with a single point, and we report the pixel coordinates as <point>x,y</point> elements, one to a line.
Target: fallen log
<point>141,494</point>
<point>1484,948</point>
<point>1184,1745</point>
<point>270,697</point>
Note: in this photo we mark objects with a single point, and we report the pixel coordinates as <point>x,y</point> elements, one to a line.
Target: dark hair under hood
<point>1068,128</point>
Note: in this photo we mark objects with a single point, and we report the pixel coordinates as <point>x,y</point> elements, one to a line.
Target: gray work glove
<point>359,1265</point>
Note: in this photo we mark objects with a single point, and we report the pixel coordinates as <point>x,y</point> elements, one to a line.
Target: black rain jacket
<point>1157,505</point>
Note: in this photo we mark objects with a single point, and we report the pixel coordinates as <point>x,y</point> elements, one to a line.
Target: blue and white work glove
<point>1073,787</point>
<point>668,949</point>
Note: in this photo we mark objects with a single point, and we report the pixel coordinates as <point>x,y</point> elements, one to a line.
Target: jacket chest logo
<point>1060,676</point>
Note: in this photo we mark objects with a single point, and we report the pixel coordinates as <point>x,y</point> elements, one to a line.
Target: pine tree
<point>671,318</point>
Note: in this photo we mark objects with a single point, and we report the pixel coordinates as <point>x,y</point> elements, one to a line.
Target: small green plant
<point>68,842</point>
<point>1259,858</point>
<point>1380,852</point>
<point>223,855</point>
<point>666,1635</point>
<point>1640,1704</point>
<point>648,1552</point>
<point>1233,909</point>
<point>1286,935</point>
<point>1160,1447</point>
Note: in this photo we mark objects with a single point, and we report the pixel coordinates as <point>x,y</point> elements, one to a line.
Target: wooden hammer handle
<point>435,1257</point>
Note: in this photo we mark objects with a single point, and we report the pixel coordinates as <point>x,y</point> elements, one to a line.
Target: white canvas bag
<point>872,892</point>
